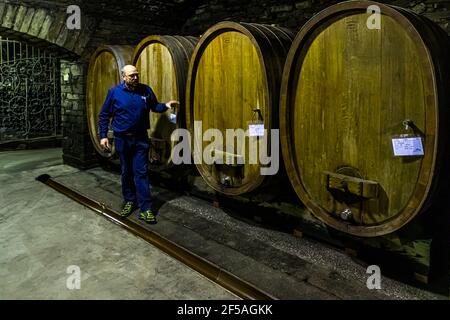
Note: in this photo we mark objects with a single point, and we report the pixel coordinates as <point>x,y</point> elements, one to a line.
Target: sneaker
<point>127,209</point>
<point>148,216</point>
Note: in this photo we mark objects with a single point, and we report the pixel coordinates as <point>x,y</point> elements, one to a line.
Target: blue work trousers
<point>133,155</point>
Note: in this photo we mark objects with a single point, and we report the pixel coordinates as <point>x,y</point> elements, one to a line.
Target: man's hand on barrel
<point>173,105</point>
<point>104,143</point>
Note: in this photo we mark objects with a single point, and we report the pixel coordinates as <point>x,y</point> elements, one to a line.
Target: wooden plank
<point>228,87</point>
<point>157,69</point>
<point>356,186</point>
<point>231,159</point>
<point>349,90</point>
<point>103,73</point>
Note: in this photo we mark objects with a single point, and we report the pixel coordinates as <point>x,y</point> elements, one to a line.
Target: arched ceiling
<point>165,13</point>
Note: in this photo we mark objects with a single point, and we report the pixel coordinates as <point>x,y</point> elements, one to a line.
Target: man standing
<point>129,105</point>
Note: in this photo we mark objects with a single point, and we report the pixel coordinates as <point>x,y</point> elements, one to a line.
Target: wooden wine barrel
<point>233,81</point>
<point>104,72</point>
<point>349,94</point>
<point>163,63</point>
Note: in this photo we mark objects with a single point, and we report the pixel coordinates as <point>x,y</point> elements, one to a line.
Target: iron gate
<point>30,103</point>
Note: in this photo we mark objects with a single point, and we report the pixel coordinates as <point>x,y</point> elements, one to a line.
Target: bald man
<point>129,105</point>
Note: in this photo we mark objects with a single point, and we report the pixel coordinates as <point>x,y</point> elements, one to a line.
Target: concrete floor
<point>42,233</point>
<point>45,236</point>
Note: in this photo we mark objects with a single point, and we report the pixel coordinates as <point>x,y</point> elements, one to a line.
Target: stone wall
<point>293,14</point>
<point>43,23</point>
<point>78,151</point>
<point>284,13</point>
<point>437,11</point>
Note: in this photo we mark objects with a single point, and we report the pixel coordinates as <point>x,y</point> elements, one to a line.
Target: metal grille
<point>30,103</point>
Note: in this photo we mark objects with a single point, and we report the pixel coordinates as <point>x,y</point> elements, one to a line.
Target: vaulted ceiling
<point>103,21</point>
<point>164,13</point>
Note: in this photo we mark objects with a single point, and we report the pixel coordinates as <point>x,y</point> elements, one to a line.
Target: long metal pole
<point>222,277</point>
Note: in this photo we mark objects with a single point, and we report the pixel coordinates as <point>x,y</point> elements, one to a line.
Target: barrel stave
<point>347,92</point>
<point>233,80</point>
<point>163,62</point>
<point>104,72</point>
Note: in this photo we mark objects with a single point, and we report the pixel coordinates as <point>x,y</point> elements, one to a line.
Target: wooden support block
<point>216,204</point>
<point>234,160</point>
<point>351,252</point>
<point>257,219</point>
<point>356,186</point>
<point>298,233</point>
<point>421,278</point>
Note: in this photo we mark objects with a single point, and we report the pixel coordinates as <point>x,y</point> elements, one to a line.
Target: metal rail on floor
<point>222,277</point>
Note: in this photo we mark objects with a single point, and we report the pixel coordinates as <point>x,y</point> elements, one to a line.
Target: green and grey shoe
<point>148,216</point>
<point>127,209</point>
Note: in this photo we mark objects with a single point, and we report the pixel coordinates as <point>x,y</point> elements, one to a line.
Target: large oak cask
<point>234,82</point>
<point>104,72</point>
<point>163,63</point>
<point>364,116</point>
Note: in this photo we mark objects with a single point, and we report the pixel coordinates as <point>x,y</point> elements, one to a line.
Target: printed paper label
<point>256,130</point>
<point>407,147</point>
<point>173,118</point>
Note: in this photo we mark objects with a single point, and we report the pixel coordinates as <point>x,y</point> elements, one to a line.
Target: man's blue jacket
<point>129,109</point>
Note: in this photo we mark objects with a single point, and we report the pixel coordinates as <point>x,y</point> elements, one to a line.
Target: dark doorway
<point>30,93</point>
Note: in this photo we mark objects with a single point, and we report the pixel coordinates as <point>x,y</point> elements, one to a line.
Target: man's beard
<point>132,85</point>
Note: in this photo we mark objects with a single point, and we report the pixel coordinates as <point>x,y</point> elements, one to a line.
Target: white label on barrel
<point>407,147</point>
<point>256,130</point>
<point>173,118</point>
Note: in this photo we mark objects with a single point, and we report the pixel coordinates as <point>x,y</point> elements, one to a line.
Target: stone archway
<point>45,27</point>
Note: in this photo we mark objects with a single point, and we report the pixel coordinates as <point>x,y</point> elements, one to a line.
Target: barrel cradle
<point>163,63</point>
<point>350,93</point>
<point>233,82</point>
<point>104,71</point>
